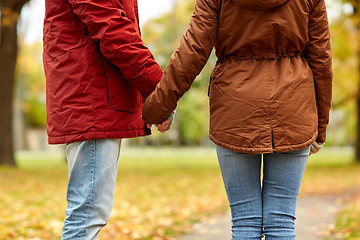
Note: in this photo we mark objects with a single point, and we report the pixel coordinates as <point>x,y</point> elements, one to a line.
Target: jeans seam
<point>91,192</point>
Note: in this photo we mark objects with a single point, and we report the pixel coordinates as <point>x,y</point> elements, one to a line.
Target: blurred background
<point>177,170</point>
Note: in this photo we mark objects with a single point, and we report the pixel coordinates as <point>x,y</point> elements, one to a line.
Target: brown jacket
<point>271,87</point>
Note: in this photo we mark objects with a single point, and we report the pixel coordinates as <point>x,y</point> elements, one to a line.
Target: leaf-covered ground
<point>331,171</point>
<point>334,173</point>
<point>159,193</point>
<point>348,222</point>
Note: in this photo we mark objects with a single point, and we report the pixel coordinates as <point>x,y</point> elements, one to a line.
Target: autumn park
<point>167,184</point>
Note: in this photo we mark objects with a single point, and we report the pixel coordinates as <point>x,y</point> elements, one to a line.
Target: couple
<point>270,96</point>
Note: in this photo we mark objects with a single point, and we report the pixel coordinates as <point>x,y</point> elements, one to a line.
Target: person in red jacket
<point>98,73</point>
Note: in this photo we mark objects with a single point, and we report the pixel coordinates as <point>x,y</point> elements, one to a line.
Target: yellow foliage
<point>8,17</point>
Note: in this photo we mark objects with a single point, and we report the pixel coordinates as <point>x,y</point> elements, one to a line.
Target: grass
<point>159,194</point>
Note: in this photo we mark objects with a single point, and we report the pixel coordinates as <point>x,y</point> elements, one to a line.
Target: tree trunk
<point>357,143</point>
<point>357,24</point>
<point>357,147</point>
<point>10,11</point>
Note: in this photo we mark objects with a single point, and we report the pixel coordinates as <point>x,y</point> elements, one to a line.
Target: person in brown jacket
<point>270,96</point>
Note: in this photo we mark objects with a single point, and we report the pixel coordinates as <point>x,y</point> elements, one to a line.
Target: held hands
<point>166,125</point>
<point>315,147</point>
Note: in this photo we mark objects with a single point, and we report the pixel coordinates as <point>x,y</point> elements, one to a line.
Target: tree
<point>29,110</point>
<point>355,18</point>
<point>10,12</point>
<point>30,76</point>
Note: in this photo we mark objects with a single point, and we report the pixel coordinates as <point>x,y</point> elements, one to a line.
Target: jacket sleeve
<point>185,63</point>
<point>318,56</point>
<point>119,41</point>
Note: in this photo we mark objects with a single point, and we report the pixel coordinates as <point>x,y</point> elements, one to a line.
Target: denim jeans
<point>268,208</point>
<point>93,169</point>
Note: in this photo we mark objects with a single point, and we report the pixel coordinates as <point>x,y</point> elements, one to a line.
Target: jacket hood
<point>259,4</point>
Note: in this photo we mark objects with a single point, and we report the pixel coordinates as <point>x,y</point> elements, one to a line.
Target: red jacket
<point>97,70</point>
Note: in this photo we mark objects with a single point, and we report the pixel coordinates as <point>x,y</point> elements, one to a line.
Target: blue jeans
<point>93,169</point>
<point>268,210</point>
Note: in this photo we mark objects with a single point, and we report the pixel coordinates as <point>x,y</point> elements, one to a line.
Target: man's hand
<point>166,125</point>
<point>163,127</point>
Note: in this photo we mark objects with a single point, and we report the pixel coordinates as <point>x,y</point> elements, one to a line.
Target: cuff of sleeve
<point>150,116</point>
<point>321,137</point>
<point>152,79</point>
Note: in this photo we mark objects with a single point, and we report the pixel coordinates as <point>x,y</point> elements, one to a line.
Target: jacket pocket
<point>121,95</point>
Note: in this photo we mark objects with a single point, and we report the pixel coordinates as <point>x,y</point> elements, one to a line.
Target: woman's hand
<point>315,147</point>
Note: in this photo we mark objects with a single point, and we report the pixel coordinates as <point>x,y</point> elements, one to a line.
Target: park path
<point>315,217</point>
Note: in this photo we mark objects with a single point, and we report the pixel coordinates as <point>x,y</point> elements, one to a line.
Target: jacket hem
<point>79,137</point>
<point>259,150</point>
<point>288,148</point>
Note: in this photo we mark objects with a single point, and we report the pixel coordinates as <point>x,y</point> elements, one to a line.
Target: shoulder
<point>214,5</point>
<point>315,3</point>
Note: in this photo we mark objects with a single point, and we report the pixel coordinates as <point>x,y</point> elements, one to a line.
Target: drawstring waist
<point>259,58</point>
